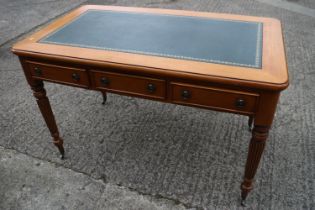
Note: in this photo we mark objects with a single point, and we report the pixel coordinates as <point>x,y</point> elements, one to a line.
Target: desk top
<point>229,42</point>
<point>213,45</point>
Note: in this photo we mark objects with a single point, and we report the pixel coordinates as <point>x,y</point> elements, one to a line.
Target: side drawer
<point>215,98</point>
<point>130,85</point>
<point>60,74</point>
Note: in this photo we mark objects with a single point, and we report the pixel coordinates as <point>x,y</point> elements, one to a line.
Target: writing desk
<point>221,62</point>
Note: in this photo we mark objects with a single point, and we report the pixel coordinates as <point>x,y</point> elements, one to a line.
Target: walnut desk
<point>221,62</point>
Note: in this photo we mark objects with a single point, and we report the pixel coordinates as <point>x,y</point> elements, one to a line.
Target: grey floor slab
<point>193,156</point>
<point>28,183</point>
<point>291,6</point>
<point>19,16</point>
<point>305,3</point>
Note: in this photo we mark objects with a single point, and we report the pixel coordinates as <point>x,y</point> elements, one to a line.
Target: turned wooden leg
<point>256,148</point>
<point>250,122</point>
<point>44,106</point>
<point>104,97</point>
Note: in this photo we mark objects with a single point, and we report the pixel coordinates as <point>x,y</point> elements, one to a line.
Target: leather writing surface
<point>228,42</point>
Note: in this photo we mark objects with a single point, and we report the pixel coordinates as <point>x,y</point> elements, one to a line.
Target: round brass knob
<point>104,81</point>
<point>240,103</point>
<point>151,88</point>
<point>38,71</point>
<point>186,94</point>
<point>75,76</point>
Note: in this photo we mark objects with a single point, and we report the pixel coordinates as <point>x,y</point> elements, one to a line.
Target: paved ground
<point>29,182</point>
<point>178,157</point>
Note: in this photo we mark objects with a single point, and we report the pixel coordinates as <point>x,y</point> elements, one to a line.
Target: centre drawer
<point>130,85</point>
<point>214,98</point>
<point>60,74</point>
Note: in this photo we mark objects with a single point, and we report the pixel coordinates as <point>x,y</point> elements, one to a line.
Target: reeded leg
<point>250,122</point>
<point>44,106</point>
<point>104,97</point>
<point>256,148</point>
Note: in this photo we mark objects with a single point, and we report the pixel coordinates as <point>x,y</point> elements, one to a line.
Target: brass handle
<point>104,81</point>
<point>186,94</point>
<point>38,71</point>
<point>75,76</point>
<point>151,88</point>
<point>240,103</point>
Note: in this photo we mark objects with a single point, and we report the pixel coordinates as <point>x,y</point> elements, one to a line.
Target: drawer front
<point>130,85</point>
<point>64,75</point>
<point>215,98</point>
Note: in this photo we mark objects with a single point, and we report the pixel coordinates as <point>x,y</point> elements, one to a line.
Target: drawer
<point>130,85</point>
<point>60,74</point>
<point>215,98</point>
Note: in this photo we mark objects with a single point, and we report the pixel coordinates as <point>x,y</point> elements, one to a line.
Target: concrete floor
<point>139,154</point>
<point>31,183</point>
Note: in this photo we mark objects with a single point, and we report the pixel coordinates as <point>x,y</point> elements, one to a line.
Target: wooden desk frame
<point>234,89</point>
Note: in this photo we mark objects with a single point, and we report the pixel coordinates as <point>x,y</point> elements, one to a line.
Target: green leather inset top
<point>228,42</point>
